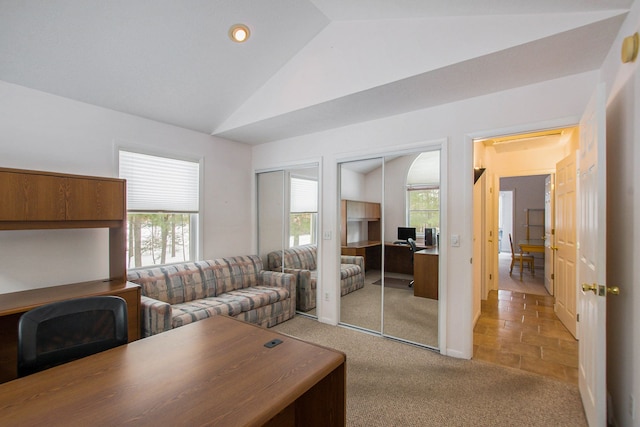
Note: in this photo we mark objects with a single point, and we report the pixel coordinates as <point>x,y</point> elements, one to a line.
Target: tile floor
<point>520,330</point>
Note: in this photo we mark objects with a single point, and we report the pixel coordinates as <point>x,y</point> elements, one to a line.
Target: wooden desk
<point>397,257</point>
<point>215,371</point>
<point>369,249</point>
<point>14,304</point>
<point>531,246</point>
<point>425,273</point>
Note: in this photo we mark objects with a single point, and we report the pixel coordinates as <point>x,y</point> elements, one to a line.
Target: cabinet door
<point>31,197</point>
<point>95,199</point>
<point>372,210</point>
<point>355,210</point>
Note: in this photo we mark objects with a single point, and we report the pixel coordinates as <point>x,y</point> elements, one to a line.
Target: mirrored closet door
<point>287,214</point>
<point>361,236</point>
<point>398,237</point>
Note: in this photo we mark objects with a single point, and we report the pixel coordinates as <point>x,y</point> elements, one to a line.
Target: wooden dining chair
<point>521,259</point>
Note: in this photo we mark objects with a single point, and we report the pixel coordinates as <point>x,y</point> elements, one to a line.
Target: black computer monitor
<point>404,233</point>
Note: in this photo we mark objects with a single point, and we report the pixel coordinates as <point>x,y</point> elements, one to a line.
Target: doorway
<point>529,335</point>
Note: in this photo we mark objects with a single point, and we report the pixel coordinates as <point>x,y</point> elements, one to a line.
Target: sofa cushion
<point>236,272</point>
<point>348,270</point>
<point>298,257</point>
<point>168,283</point>
<point>192,311</point>
<point>255,297</point>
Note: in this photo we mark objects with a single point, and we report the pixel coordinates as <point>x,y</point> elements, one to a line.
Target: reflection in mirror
<point>412,201</point>
<point>270,191</point>
<point>288,228</point>
<point>361,243</point>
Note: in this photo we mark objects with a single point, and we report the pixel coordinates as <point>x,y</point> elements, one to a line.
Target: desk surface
<point>215,371</point>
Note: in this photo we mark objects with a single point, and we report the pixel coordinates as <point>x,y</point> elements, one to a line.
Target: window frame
<point>195,217</point>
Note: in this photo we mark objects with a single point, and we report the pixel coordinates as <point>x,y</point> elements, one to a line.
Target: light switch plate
<point>326,235</point>
<point>455,240</point>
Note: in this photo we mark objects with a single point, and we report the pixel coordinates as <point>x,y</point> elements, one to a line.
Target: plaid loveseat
<point>175,295</point>
<point>302,261</point>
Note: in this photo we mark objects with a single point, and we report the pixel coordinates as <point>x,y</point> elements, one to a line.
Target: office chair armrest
<point>156,316</point>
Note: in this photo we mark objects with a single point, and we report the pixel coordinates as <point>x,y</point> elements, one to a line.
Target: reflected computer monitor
<point>404,233</point>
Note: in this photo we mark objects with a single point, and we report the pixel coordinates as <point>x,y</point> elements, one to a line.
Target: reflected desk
<point>215,371</point>
<point>425,273</point>
<point>369,249</point>
<point>397,257</point>
<point>531,246</point>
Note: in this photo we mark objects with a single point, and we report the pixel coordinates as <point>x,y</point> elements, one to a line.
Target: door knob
<point>587,287</point>
<point>554,248</point>
<point>614,290</point>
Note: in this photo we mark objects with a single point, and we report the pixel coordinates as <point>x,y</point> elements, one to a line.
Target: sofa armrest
<point>281,280</point>
<point>156,316</point>
<point>353,259</point>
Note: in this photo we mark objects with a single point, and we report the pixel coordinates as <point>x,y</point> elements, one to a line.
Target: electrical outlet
<point>632,407</point>
<point>326,296</point>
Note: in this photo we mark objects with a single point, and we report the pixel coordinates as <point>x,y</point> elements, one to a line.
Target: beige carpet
<point>395,384</point>
<point>406,317</point>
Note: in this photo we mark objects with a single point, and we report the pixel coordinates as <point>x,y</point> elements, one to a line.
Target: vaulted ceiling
<point>309,65</point>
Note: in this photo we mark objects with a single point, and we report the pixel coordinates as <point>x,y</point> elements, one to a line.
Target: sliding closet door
<point>411,201</point>
<point>288,219</point>
<point>271,213</point>
<point>361,235</point>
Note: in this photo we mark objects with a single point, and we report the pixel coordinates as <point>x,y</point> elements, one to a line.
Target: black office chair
<point>413,248</point>
<point>63,331</point>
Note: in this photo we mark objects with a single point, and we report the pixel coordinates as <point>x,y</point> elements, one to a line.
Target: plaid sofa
<point>302,261</point>
<point>175,295</point>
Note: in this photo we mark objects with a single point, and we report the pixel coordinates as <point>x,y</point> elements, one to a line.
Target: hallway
<point>518,328</point>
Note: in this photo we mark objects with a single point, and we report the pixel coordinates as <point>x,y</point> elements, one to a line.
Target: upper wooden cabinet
<point>42,196</point>
<point>95,199</point>
<point>361,210</point>
<point>32,200</point>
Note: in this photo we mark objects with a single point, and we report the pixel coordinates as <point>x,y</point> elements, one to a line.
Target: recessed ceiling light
<point>239,33</point>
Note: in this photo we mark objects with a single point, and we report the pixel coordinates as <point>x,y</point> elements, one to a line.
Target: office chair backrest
<point>412,245</point>
<point>63,331</point>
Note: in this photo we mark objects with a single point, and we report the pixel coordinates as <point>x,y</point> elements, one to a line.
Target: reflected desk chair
<point>413,248</point>
<point>63,331</point>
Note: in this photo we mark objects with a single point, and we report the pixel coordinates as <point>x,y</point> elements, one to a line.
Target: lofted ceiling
<point>309,65</point>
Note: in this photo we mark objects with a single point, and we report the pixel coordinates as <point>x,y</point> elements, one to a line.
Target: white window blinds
<point>304,195</point>
<point>160,183</point>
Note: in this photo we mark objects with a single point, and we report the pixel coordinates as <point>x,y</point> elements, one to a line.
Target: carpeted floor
<point>395,384</point>
<point>406,317</point>
<point>393,282</point>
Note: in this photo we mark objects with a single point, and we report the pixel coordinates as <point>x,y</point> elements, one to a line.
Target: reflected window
<point>423,192</point>
<point>303,212</point>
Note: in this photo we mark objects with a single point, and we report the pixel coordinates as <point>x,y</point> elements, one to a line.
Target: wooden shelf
<point>35,200</point>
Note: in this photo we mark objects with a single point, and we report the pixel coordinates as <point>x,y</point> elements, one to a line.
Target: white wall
<point>623,228</point>
<point>40,131</point>
<point>533,107</point>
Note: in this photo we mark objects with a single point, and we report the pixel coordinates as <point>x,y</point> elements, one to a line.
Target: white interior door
<point>565,243</point>
<point>549,232</point>
<point>591,260</point>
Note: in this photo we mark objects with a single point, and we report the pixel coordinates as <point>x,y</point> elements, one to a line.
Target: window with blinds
<point>162,208</point>
<point>423,192</point>
<point>303,211</point>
